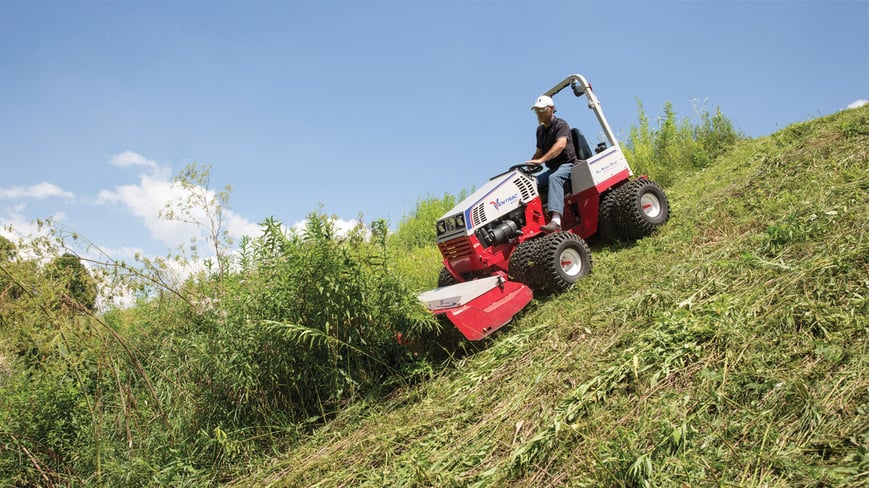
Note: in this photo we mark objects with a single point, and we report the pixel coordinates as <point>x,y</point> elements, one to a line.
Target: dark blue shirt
<point>546,138</point>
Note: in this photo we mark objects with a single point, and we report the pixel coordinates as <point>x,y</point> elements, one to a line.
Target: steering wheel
<point>528,169</point>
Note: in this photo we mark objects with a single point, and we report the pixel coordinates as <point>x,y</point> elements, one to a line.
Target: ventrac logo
<point>497,202</point>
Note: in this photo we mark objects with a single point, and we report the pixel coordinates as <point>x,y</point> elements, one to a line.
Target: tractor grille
<point>479,214</point>
<point>456,248</point>
<point>526,188</point>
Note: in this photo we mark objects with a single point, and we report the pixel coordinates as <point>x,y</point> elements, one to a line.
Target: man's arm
<point>537,154</point>
<point>554,151</point>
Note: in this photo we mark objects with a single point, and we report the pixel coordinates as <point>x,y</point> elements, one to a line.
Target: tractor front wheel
<point>524,264</point>
<point>567,258</point>
<point>445,278</point>
<point>551,263</point>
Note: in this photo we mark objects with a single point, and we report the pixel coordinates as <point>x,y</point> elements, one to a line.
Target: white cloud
<point>129,158</point>
<point>239,226</point>
<point>39,191</point>
<point>114,295</point>
<point>857,104</point>
<point>15,226</point>
<point>155,189</point>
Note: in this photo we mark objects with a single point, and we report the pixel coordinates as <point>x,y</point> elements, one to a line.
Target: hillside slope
<point>730,349</point>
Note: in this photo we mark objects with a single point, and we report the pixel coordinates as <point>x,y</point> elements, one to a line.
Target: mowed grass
<point>729,349</point>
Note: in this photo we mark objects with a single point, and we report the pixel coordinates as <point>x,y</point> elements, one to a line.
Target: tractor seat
<point>580,145</point>
<point>583,152</point>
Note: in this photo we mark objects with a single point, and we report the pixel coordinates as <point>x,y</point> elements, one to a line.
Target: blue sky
<point>365,107</point>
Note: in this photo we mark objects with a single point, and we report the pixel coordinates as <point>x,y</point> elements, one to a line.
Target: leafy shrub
<point>418,228</point>
<point>64,376</point>
<point>677,146</point>
<point>197,378</point>
<point>307,324</point>
<point>79,289</point>
<point>7,249</point>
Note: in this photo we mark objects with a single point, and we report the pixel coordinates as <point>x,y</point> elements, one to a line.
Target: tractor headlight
<point>451,224</point>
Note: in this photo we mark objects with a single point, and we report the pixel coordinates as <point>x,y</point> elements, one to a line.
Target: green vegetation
<point>677,147</point>
<point>78,285</point>
<point>729,349</point>
<point>189,384</point>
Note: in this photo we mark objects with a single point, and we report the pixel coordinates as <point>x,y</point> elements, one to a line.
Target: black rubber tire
<point>642,208</point>
<point>445,278</point>
<point>523,264</point>
<point>607,216</point>
<point>540,263</point>
<point>566,258</point>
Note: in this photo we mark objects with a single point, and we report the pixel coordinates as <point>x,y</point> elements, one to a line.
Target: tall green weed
<point>196,380</point>
<point>416,229</point>
<point>677,146</point>
<point>66,388</point>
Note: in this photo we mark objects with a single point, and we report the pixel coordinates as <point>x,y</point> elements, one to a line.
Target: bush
<point>193,382</point>
<point>78,287</point>
<point>418,228</point>
<point>306,325</point>
<point>678,146</point>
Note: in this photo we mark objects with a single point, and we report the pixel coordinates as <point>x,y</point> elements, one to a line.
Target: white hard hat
<point>543,101</point>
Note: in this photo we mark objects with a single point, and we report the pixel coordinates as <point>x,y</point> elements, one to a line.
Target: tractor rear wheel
<point>607,215</point>
<point>642,208</point>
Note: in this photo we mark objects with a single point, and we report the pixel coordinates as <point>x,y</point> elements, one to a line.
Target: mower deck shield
<point>479,307</point>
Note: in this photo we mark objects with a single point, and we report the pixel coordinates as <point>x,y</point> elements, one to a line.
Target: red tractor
<point>495,255</point>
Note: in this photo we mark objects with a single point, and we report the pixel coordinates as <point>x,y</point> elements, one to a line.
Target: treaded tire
<point>607,216</point>
<point>445,278</point>
<point>523,266</point>
<point>552,263</point>
<point>566,258</point>
<point>642,208</point>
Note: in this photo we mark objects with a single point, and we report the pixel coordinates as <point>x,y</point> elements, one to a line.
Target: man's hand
<point>535,161</point>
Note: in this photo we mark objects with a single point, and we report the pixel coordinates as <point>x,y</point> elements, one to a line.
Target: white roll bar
<point>582,87</point>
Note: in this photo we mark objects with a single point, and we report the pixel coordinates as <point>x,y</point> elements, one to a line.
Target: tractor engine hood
<point>497,198</point>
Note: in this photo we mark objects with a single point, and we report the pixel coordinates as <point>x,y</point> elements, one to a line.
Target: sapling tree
<point>203,208</point>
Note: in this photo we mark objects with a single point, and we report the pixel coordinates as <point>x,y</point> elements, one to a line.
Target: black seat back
<point>583,151</point>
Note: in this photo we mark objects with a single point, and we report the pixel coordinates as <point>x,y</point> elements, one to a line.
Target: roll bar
<point>582,87</point>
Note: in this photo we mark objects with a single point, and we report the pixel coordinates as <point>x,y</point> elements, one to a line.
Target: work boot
<point>551,227</point>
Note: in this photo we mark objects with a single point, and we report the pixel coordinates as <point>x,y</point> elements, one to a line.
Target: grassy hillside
<point>730,349</point>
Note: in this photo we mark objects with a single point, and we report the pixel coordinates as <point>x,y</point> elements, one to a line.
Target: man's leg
<point>553,182</point>
<point>556,180</point>
<point>543,185</point>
